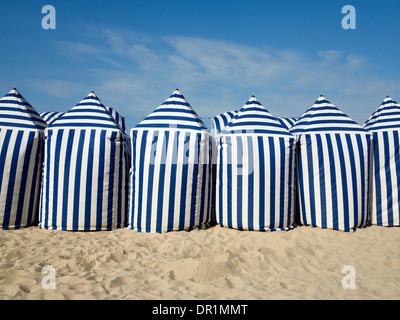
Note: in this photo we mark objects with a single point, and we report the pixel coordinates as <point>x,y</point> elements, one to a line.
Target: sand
<point>217,263</point>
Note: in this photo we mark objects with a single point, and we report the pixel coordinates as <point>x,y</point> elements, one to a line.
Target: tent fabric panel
<point>255,182</point>
<point>21,158</point>
<point>85,175</point>
<point>287,122</point>
<point>170,180</point>
<point>385,196</point>
<point>220,121</point>
<point>117,117</point>
<point>333,179</point>
<point>50,116</point>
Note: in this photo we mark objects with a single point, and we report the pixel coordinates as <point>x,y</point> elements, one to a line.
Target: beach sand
<point>217,263</point>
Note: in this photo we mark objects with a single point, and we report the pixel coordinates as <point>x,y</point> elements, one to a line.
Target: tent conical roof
<point>175,112</point>
<point>323,116</point>
<point>90,113</point>
<point>386,117</point>
<point>254,118</point>
<point>16,112</point>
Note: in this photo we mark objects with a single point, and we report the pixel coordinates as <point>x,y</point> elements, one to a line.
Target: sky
<point>218,53</point>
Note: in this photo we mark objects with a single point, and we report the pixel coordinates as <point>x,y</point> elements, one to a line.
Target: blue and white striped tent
<point>255,179</point>
<point>21,157</point>
<point>385,188</point>
<point>333,168</point>
<point>287,122</point>
<point>85,170</point>
<point>170,179</point>
<point>50,116</point>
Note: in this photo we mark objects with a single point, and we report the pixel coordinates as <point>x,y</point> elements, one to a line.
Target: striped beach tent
<point>255,179</point>
<point>21,157</point>
<point>170,178</point>
<point>85,170</point>
<point>221,120</point>
<point>50,116</point>
<point>287,122</point>
<point>333,168</point>
<point>384,124</point>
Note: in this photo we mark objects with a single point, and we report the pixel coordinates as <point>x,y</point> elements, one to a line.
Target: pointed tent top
<point>174,113</point>
<point>322,117</point>
<point>254,118</point>
<point>89,113</point>
<point>16,112</point>
<point>386,117</point>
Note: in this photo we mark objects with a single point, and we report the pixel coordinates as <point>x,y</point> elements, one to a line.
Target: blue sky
<point>133,54</point>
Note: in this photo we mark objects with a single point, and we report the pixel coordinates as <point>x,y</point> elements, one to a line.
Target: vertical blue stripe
<point>59,138</point>
<point>23,184</point>
<point>332,168</point>
<point>140,171</point>
<point>251,198</point>
<point>3,157</point>
<point>77,185</point>
<point>261,152</point>
<point>171,199</point>
<point>292,181</point>
<point>47,172</point>
<point>121,214</point>
<point>352,167</point>
<point>161,183</point>
<point>132,184</point>
<point>397,166</point>
<point>322,182</point>
<point>221,168</point>
<point>66,176</point>
<point>310,164</point>
<point>111,175</point>
<point>345,191</point>
<point>150,182</point>
<point>364,175</point>
<point>35,190</point>
<point>89,179</point>
<point>11,181</point>
<point>282,184</point>
<point>184,193</point>
<point>378,192</point>
<point>239,207</point>
<point>229,182</point>
<point>389,195</point>
<point>302,182</point>
<point>272,169</point>
<point>100,181</point>
<point>195,179</point>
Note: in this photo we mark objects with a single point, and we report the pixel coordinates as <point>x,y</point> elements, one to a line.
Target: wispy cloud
<point>138,72</point>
